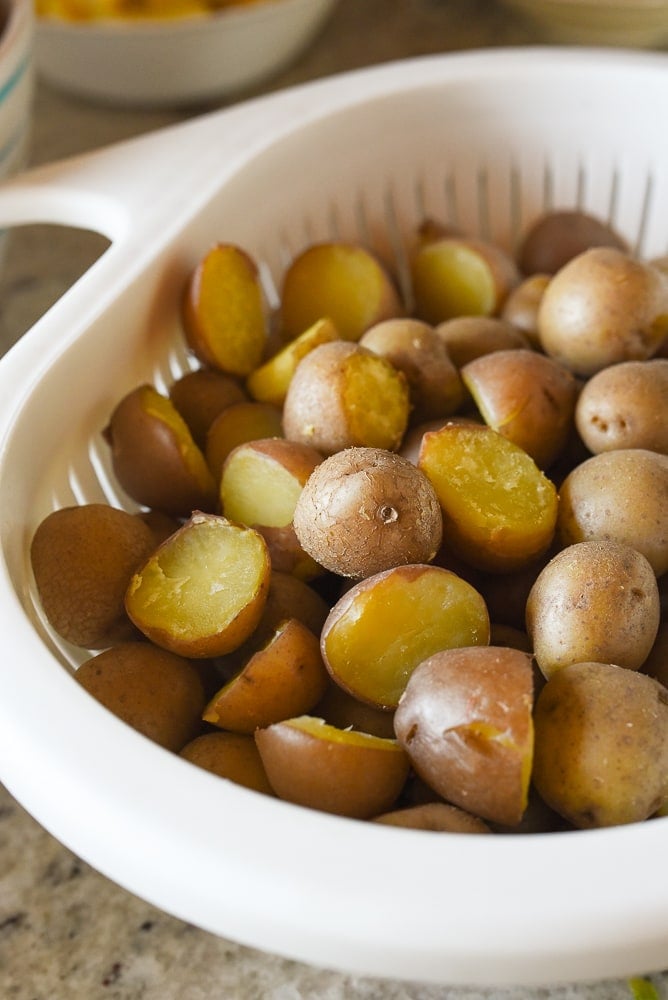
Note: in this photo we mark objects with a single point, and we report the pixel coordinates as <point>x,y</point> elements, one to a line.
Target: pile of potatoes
<point>397,557</point>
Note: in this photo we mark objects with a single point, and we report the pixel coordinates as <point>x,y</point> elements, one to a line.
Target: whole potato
<point>625,406</point>
<point>620,495</point>
<point>593,601</point>
<point>601,745</point>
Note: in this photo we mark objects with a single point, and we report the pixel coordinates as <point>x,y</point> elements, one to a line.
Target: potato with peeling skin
<point>384,626</point>
<point>224,313</point>
<point>601,745</point>
<point>364,510</point>
<point>343,395</point>
<point>233,756</point>
<point>465,722</point>
<point>459,276</point>
<point>269,383</point>
<point>593,601</point>
<point>82,560</point>
<point>343,281</point>
<point>625,406</point>
<point>202,592</point>
<point>469,337</point>
<point>154,456</point>
<point>200,395</point>
<point>344,772</point>
<point>156,692</point>
<point>438,817</point>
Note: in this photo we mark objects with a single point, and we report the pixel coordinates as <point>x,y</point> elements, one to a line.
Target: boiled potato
<point>499,510</point>
<point>625,406</point>
<point>154,456</point>
<point>269,383</point>
<point>439,817</point>
<point>383,627</point>
<point>224,313</point>
<point>416,349</point>
<point>593,601</point>
<point>601,745</point>
<point>202,592</point>
<point>656,664</point>
<point>339,771</point>
<point>82,560</point>
<point>229,755</point>
<point>601,308</point>
<point>465,721</point>
<point>339,708</point>
<point>619,495</point>
<point>341,281</point>
<point>284,678</point>
<point>522,305</point>
<point>364,510</point>
<point>558,235</point>
<point>527,397</point>
<point>200,395</point>
<point>237,424</point>
<point>470,337</point>
<point>156,692</point>
<point>343,395</point>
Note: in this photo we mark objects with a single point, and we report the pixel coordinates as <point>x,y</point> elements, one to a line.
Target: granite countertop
<point>66,932</point>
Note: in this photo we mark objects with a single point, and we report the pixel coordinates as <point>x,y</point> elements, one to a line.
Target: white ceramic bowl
<point>16,85</point>
<point>641,23</point>
<point>483,140</point>
<point>177,61</point>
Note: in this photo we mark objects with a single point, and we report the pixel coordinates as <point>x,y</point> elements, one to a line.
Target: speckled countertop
<point>66,932</point>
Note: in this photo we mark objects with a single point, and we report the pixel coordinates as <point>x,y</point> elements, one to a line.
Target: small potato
<point>469,337</point>
<point>620,495</point>
<point>521,307</point>
<point>527,397</point>
<point>224,314</point>
<point>415,349</point>
<point>229,755</point>
<point>625,406</point>
<point>601,308</point>
<point>202,592</point>
<point>465,722</point>
<point>348,773</point>
<point>364,510</point>
<point>601,745</point>
<point>383,627</point>
<point>439,817</point>
<point>593,601</point>
<point>341,281</point>
<point>82,559</point>
<point>343,395</point>
<point>269,383</point>
<point>499,510</point>
<point>559,235</point>
<point>154,456</point>
<point>200,395</point>
<point>284,678</point>
<point>457,276</point>
<point>656,664</point>
<point>237,424</point>
<point>339,708</point>
<point>156,692</point>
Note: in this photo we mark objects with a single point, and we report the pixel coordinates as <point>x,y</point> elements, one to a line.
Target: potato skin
<point>559,235</point>
<point>364,510</point>
<point>625,406</point>
<point>439,817</point>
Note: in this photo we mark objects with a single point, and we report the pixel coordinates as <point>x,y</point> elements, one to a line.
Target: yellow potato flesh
<point>236,425</point>
<point>451,279</point>
<point>376,402</point>
<point>255,489</point>
<point>386,629</point>
<point>269,383</point>
<point>163,410</point>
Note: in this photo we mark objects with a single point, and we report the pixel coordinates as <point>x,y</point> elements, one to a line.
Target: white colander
<point>485,139</point>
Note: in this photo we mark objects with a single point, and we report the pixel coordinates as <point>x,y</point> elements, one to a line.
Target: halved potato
<point>269,383</point>
<point>229,755</point>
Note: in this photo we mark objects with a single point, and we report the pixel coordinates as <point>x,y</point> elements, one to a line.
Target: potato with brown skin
<point>620,495</point>
<point>438,817</point>
<point>384,626</point>
<point>601,745</point>
<point>202,592</point>
<point>338,771</point>
<point>470,337</point>
<point>625,406</point>
<point>154,456</point>
<point>342,396</point>
<point>339,708</point>
<point>522,305</point>
<point>415,349</point>
<point>237,424</point>
<point>601,308</point>
<point>656,664</point>
<point>527,397</point>
<point>342,281</point>
<point>229,755</point>
<point>82,560</point>
<point>559,235</point>
<point>364,510</point>
<point>156,692</point>
<point>593,601</point>
<point>224,313</point>
<point>200,395</point>
<point>283,678</point>
<point>465,722</point>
